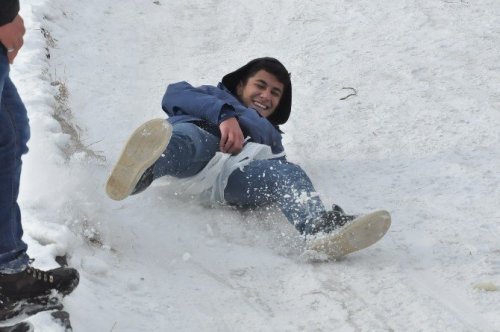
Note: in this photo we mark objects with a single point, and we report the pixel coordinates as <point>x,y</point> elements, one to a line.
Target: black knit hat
<point>282,112</point>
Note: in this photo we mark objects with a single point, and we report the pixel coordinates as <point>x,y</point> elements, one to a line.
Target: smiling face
<point>261,92</point>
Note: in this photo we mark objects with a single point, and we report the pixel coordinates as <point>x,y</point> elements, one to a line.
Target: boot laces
<point>40,275</point>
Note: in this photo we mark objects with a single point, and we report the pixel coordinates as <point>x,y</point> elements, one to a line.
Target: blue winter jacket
<point>185,103</point>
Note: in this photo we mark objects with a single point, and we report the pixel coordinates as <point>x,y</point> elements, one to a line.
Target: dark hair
<point>273,66</point>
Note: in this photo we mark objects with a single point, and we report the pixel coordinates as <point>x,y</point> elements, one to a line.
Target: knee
<point>284,172</point>
<point>7,147</point>
<point>23,137</point>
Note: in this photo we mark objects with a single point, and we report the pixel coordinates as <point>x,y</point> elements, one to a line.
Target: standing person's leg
<point>18,280</point>
<point>276,181</point>
<point>14,135</point>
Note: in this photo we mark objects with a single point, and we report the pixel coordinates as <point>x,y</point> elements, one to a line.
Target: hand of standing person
<point>232,139</point>
<point>11,36</point>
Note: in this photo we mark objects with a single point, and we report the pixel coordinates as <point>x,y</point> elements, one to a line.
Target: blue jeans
<point>260,183</point>
<point>14,135</point>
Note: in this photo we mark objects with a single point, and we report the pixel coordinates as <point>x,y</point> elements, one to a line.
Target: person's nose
<point>266,94</point>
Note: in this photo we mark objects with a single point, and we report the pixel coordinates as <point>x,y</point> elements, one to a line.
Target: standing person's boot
<point>32,283</point>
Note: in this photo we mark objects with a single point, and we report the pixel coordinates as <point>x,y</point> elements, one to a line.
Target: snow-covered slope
<point>420,139</point>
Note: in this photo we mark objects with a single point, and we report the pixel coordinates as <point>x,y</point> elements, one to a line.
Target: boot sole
<point>362,232</point>
<point>144,147</point>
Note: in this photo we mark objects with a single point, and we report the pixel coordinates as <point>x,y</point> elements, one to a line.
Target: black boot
<point>32,283</point>
<point>329,221</point>
<point>144,182</point>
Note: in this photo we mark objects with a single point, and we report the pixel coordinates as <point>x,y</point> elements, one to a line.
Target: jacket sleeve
<point>213,105</point>
<point>201,102</point>
<point>260,130</point>
<point>8,11</point>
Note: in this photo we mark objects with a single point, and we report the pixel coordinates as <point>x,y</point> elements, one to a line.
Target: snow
<point>420,139</point>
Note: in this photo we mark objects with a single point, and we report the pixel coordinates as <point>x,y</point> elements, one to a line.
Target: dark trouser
<point>14,135</point>
<point>261,182</point>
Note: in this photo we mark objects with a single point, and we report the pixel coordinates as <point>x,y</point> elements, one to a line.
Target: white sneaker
<point>144,147</point>
<point>358,234</point>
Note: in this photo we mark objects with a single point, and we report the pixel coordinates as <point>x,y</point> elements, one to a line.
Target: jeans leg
<point>189,150</point>
<point>276,181</point>
<point>14,135</point>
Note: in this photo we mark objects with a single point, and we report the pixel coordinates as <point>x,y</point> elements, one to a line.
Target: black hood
<point>282,112</point>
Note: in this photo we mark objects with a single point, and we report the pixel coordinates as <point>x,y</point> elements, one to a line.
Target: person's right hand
<point>232,139</point>
<point>11,36</point>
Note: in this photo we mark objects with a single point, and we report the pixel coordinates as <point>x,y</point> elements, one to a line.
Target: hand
<point>231,139</point>
<point>11,36</point>
<point>260,130</point>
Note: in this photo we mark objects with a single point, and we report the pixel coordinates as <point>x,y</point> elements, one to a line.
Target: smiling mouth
<point>261,106</point>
